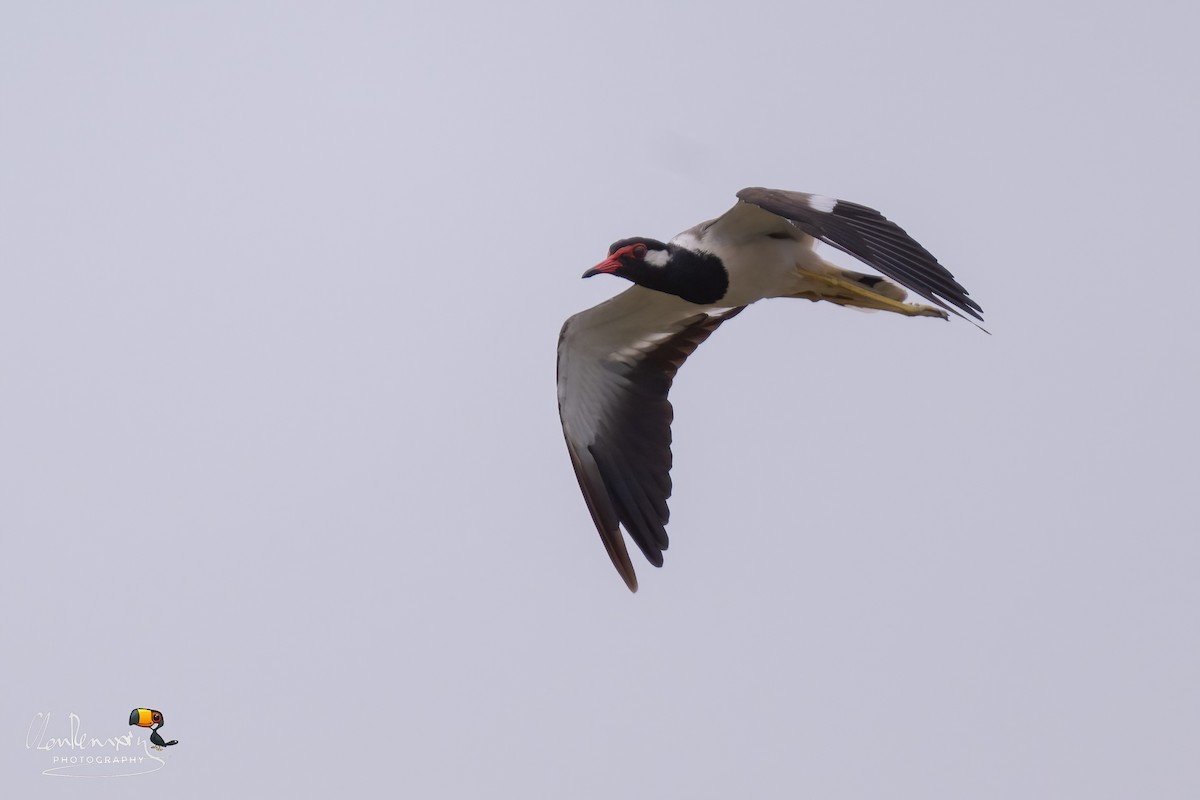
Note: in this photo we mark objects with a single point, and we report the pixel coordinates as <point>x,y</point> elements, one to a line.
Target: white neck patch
<point>657,258</point>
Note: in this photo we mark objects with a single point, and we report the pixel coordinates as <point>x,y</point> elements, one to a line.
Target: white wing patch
<point>689,241</point>
<point>821,203</point>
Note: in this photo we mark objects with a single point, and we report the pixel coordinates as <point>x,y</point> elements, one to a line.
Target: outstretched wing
<point>616,362</point>
<point>870,237</point>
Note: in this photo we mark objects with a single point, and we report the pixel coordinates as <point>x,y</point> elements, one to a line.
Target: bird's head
<point>633,259</point>
<point>695,276</point>
<point>146,717</point>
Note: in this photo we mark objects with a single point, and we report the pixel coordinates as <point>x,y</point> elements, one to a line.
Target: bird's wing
<point>865,234</point>
<point>616,362</point>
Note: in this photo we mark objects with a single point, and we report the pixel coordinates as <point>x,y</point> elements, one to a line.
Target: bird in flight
<point>616,360</point>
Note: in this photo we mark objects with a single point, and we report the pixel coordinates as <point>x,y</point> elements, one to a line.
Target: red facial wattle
<point>614,263</point>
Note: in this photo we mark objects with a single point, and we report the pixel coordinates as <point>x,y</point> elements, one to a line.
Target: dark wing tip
<point>604,515</point>
<point>619,556</point>
<point>893,246</point>
<point>872,238</point>
<point>624,473</point>
<point>630,580</point>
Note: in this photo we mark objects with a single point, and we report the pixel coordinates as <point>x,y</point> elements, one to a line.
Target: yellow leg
<point>845,292</point>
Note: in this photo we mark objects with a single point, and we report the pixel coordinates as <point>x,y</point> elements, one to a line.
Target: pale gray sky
<point>280,291</point>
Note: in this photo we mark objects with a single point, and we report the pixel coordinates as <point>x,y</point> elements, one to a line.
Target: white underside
<point>759,266</point>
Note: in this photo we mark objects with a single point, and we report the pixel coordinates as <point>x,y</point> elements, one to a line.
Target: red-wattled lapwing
<point>616,360</point>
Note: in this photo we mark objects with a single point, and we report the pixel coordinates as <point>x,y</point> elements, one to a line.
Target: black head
<point>695,276</point>
<point>629,258</point>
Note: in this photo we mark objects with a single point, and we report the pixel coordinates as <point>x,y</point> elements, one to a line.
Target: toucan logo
<point>149,718</point>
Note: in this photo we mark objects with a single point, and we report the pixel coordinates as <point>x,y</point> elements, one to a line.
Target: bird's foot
<point>918,310</point>
<point>852,293</point>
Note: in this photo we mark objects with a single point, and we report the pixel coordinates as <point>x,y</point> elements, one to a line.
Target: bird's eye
<point>639,251</point>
